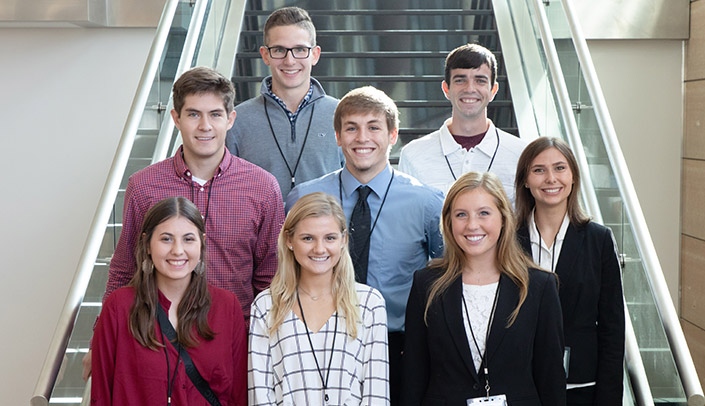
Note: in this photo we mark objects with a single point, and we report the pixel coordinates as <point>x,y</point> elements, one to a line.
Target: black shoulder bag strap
<point>191,370</point>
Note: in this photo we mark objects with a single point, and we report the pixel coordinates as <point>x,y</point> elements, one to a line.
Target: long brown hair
<point>525,201</point>
<point>193,308</point>
<point>510,257</point>
<point>286,281</point>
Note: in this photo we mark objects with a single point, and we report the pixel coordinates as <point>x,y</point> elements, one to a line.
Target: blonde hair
<point>510,257</point>
<point>286,281</point>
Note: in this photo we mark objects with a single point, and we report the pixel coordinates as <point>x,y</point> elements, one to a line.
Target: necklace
<point>324,382</point>
<point>314,298</point>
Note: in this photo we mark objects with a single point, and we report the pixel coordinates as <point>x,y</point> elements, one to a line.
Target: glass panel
<point>654,348</point>
<point>69,386</point>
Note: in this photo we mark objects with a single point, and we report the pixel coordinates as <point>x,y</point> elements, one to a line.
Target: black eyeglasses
<point>296,52</point>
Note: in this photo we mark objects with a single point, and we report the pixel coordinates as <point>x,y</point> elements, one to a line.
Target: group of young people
<point>279,259</point>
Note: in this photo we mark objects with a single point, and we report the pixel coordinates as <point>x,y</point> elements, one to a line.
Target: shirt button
<point>202,189</point>
<point>476,386</point>
<point>188,173</point>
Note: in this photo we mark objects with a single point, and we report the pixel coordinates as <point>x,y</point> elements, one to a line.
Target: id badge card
<point>497,400</point>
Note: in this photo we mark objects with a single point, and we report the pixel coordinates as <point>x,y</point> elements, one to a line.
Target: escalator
<point>400,48</point>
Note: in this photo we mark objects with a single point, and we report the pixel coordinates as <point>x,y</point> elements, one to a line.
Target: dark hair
<point>525,201</point>
<point>363,100</point>
<point>194,306</point>
<point>471,56</point>
<point>510,258</point>
<point>290,16</point>
<point>200,80</point>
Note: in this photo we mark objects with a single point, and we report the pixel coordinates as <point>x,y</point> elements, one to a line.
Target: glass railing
<point>195,32</point>
<point>562,98</point>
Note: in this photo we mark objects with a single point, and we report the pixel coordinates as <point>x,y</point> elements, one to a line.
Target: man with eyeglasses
<point>288,128</point>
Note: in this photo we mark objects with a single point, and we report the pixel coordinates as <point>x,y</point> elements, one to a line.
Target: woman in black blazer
<point>560,237</point>
<point>480,320</point>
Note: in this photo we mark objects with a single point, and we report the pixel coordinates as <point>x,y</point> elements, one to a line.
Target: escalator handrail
<point>64,327</point>
<point>645,245</point>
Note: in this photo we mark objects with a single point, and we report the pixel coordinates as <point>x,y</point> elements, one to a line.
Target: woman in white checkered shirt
<point>316,336</point>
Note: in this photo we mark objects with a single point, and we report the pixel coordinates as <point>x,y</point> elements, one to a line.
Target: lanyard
<point>324,382</point>
<point>487,335</point>
<point>553,248</point>
<point>384,199</point>
<point>496,148</point>
<point>292,173</point>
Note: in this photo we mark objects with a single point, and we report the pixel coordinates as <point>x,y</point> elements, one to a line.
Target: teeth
<point>179,262</point>
<point>363,150</point>
<point>204,138</point>
<point>319,259</point>
<point>552,190</point>
<point>475,238</point>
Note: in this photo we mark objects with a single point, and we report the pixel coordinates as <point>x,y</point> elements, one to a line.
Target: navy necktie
<point>360,222</point>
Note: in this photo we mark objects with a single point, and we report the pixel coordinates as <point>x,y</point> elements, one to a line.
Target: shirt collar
<point>304,102</point>
<point>378,184</point>
<point>534,234</point>
<point>488,144</point>
<point>182,169</point>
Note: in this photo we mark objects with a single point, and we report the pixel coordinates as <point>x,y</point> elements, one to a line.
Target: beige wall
<point>65,95</point>
<point>643,86</point>
<point>693,192</point>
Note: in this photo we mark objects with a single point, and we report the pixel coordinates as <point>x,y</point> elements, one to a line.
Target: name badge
<point>497,400</point>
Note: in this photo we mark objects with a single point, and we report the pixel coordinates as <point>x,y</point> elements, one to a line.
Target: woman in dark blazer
<point>480,320</point>
<point>560,237</point>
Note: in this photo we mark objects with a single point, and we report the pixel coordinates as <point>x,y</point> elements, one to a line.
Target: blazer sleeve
<point>548,370</point>
<point>610,327</point>
<point>415,360</point>
<point>105,338</point>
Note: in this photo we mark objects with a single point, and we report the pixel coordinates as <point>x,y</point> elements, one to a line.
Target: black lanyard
<point>324,382</point>
<point>384,199</point>
<point>301,152</point>
<point>553,248</point>
<point>483,359</point>
<point>496,148</point>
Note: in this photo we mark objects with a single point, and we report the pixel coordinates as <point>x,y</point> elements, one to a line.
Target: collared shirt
<point>283,370</point>
<point>304,102</point>
<point>406,234</point>
<point>244,212</point>
<point>542,254</point>
<point>431,157</point>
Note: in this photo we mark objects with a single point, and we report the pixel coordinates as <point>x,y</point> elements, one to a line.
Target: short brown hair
<point>366,99</point>
<point>200,80</point>
<point>290,16</point>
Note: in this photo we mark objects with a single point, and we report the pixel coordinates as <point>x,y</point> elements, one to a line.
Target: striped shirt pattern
<point>282,369</point>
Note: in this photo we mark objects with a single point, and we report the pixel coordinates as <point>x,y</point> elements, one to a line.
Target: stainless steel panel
<point>83,13</point>
<point>632,19</point>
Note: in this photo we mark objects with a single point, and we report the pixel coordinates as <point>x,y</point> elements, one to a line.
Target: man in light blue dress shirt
<point>405,214</point>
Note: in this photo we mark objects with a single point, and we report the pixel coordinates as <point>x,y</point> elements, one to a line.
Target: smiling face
<point>203,122</point>
<point>175,249</point>
<point>476,224</point>
<point>470,91</point>
<point>290,74</point>
<point>317,243</point>
<point>366,141</point>
<point>550,179</point>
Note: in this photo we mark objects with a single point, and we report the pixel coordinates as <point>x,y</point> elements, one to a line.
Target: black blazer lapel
<point>567,265</point>
<point>507,301</point>
<point>452,309</point>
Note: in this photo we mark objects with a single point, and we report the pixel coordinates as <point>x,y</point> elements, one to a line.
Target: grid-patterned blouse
<point>282,369</point>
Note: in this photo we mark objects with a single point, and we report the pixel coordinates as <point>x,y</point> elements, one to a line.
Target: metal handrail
<point>64,327</point>
<point>662,297</point>
<point>632,353</point>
